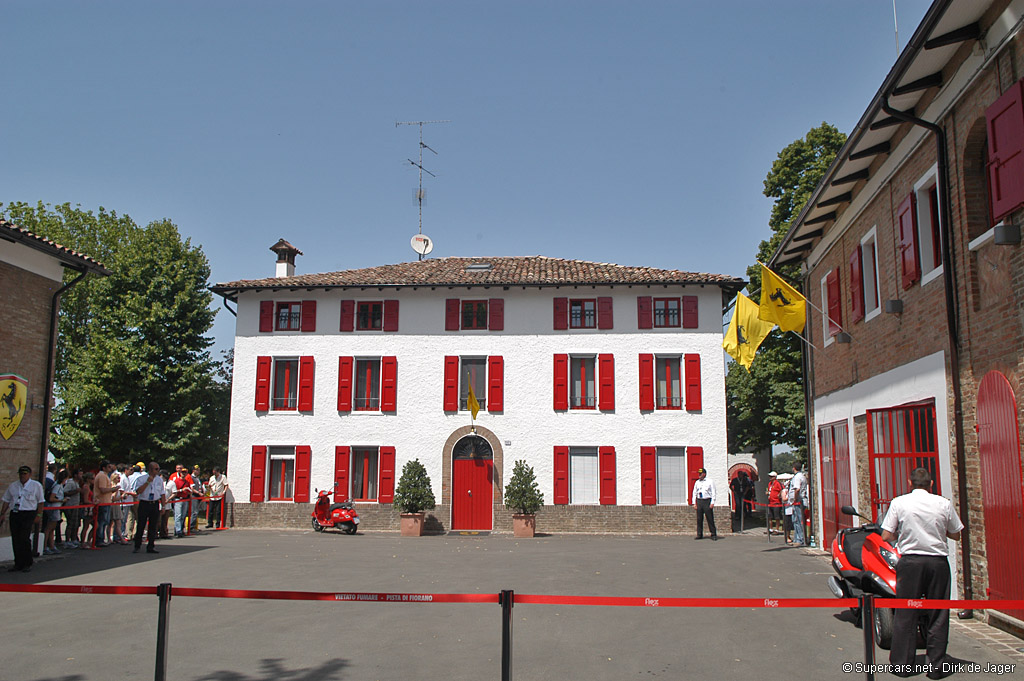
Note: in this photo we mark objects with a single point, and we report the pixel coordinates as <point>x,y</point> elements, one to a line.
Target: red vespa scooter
<point>865,564</point>
<point>326,514</point>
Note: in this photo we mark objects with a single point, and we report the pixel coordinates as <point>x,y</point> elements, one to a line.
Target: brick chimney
<point>285,258</point>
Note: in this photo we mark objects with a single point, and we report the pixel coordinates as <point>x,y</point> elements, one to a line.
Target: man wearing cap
<point>25,498</point>
<point>704,500</point>
<point>774,504</point>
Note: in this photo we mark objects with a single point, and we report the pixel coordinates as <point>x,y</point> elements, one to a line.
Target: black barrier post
<point>505,600</point>
<point>867,623</point>
<point>163,592</point>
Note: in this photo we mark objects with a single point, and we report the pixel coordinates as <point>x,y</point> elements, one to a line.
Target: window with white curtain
<point>583,475</point>
<point>671,475</point>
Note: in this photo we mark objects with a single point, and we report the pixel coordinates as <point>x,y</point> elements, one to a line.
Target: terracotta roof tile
<point>534,270</point>
<point>12,232</point>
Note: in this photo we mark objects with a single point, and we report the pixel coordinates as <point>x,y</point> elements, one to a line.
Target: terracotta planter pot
<point>524,525</point>
<point>412,524</point>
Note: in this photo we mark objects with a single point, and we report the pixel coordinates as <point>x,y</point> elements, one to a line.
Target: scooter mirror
<point>849,510</point>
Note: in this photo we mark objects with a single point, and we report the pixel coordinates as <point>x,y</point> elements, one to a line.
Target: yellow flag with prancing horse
<point>781,303</point>
<point>474,406</point>
<point>746,332</point>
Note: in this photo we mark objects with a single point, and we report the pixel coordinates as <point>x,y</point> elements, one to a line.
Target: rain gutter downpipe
<point>952,327</point>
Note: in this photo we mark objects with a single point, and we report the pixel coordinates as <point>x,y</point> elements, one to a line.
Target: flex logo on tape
<point>653,602</point>
<point>771,603</point>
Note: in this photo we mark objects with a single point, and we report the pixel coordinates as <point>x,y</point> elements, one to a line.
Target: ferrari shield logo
<point>13,397</point>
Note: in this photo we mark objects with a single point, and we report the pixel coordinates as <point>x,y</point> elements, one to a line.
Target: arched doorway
<point>999,457</point>
<point>472,483</point>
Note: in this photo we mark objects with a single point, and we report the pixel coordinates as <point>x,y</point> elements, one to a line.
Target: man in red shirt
<point>774,504</point>
<point>181,492</point>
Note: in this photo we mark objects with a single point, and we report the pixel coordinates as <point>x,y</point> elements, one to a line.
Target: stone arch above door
<point>446,461</point>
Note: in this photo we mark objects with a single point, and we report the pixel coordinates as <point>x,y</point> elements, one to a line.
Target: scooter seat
<point>853,542</point>
<point>336,506</point>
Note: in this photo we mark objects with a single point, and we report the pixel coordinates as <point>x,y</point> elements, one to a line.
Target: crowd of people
<point>81,509</point>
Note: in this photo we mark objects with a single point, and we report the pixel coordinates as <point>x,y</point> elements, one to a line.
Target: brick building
<point>608,380</point>
<point>32,273</point>
<point>911,245</point>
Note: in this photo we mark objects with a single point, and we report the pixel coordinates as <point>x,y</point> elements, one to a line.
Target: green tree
<point>765,406</point>
<point>134,377</point>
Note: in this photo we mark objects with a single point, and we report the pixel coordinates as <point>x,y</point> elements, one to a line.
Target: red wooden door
<point>999,455</point>
<point>471,493</point>
<point>834,448</point>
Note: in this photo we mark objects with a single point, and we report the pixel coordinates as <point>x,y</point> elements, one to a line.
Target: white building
<point>608,380</point>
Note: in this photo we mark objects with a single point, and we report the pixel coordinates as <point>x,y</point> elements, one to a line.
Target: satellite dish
<point>422,244</point>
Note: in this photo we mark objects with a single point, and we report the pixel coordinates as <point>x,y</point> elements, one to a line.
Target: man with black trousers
<point>25,498</point>
<point>149,490</point>
<point>918,524</point>
<point>704,500</point>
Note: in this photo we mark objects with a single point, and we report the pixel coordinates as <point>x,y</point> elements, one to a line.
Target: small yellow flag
<point>746,332</point>
<point>474,406</point>
<point>781,303</point>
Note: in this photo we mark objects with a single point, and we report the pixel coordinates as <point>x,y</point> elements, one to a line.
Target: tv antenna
<point>420,192</point>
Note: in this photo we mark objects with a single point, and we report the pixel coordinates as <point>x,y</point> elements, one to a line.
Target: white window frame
<point>930,270</point>
<point>273,384</point>
<point>577,453</point>
<point>482,397</point>
<point>870,238</point>
<point>673,451</point>
<point>356,380</point>
<point>271,458</point>
<point>593,379</point>
<point>828,339</point>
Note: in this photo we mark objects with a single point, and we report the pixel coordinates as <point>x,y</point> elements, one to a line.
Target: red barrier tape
<point>924,604</point>
<point>689,602</point>
<point>335,596</point>
<point>79,589</point>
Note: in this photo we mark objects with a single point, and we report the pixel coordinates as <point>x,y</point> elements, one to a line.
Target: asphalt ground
<point>109,637</point>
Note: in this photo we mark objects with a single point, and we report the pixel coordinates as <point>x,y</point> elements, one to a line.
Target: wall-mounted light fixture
<point>1007,235</point>
<point>843,337</point>
<point>894,307</point>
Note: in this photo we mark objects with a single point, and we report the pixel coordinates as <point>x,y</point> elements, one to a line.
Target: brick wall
<point>550,519</point>
<point>24,335</point>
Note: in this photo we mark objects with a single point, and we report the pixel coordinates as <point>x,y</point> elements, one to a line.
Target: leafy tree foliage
<point>134,377</point>
<point>766,405</point>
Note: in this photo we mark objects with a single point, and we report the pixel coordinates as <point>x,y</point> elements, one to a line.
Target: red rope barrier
<point>336,596</point>
<point>79,589</point>
<point>940,604</point>
<point>640,601</point>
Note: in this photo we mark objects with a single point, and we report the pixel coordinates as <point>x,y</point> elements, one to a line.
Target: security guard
<point>704,500</point>
<point>25,497</point>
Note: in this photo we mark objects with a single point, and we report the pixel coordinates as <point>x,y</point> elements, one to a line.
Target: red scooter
<point>326,514</point>
<point>865,564</point>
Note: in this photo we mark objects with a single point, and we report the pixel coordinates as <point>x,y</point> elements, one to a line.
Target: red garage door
<point>999,456</point>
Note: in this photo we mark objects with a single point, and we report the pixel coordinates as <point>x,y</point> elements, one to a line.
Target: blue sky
<point>638,133</point>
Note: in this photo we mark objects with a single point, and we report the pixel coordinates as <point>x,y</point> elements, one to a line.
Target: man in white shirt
<point>25,497</point>
<point>704,499</point>
<point>918,524</point>
<point>149,490</point>
<point>798,500</point>
<point>217,488</point>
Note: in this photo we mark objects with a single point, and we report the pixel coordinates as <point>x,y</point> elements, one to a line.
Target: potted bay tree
<point>413,496</point>
<point>524,497</point>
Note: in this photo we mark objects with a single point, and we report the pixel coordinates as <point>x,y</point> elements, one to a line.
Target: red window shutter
<point>604,313</point>
<point>1005,121</point>
<point>644,312</point>
<point>906,216</point>
<point>266,316</point>
<point>496,314</point>
<point>646,382</point>
<point>561,475</point>
<point>451,314</point>
<point>648,476</point>
<point>308,317</point>
<point>306,372</point>
<point>690,312</point>
<point>692,362</point>
<point>694,462</point>
<point>345,365</point>
<point>451,383</point>
<point>495,383</point>
<point>341,457</point>
<point>606,465</point>
<point>263,368</point>
<point>258,475</point>
<point>303,461</point>
<point>561,382</point>
<point>835,302</point>
<point>391,315</point>
<point>388,383</point>
<point>606,389</point>
<point>856,285</point>
<point>561,310</point>
<point>386,488</point>
<point>348,315</point>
